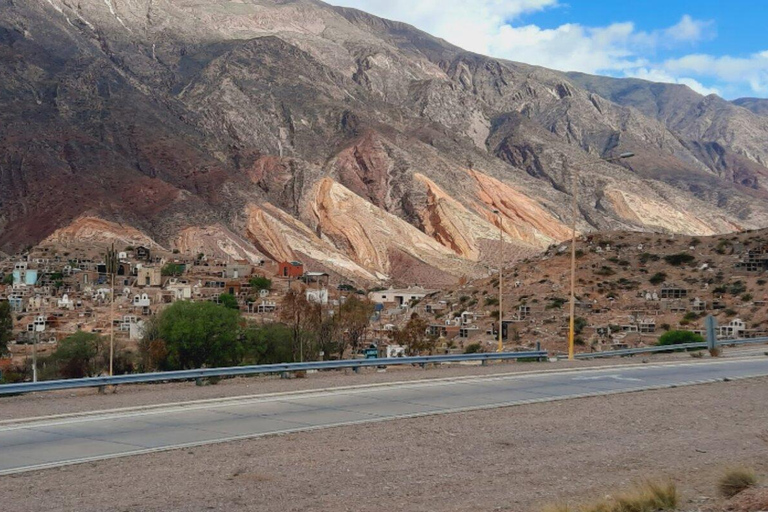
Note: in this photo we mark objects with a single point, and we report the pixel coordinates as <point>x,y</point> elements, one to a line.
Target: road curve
<point>47,443</point>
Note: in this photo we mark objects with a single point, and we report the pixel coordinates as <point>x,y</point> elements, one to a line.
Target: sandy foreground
<point>83,400</point>
<point>515,458</point>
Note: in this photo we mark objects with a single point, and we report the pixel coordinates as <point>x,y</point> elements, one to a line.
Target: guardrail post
<point>356,369</point>
<point>484,362</point>
<point>711,326</point>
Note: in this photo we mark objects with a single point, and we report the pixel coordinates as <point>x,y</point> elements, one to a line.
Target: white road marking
<point>613,376</point>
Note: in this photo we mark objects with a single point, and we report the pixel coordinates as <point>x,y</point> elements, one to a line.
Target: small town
<point>53,295</point>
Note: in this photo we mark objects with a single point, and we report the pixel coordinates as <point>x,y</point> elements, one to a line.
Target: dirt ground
<point>81,400</point>
<point>510,459</point>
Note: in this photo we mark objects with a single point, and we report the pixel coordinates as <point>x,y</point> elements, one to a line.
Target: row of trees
<point>206,334</point>
<point>196,334</point>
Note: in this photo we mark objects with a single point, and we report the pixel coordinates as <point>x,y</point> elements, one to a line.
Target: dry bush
<point>648,497</point>
<point>736,480</point>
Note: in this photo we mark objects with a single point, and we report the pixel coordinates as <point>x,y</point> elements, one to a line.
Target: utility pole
<point>501,278</point>
<point>574,214</point>
<point>572,323</point>
<point>112,270</point>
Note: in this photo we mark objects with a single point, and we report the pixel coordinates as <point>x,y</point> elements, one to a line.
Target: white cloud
<point>690,30</point>
<point>752,70</point>
<point>492,27</point>
<point>659,75</point>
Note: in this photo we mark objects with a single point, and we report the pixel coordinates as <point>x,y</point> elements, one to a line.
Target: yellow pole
<point>571,330</point>
<point>501,277</point>
<point>112,327</point>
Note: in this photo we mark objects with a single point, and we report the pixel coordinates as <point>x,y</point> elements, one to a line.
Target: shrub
<point>173,269</point>
<point>746,297</point>
<point>262,283</point>
<point>735,481</point>
<point>737,288</point>
<point>473,348</point>
<point>679,338</point>
<point>679,259</point>
<point>648,497</point>
<point>228,301</point>
<point>658,278</point>
<point>556,303</point>
<point>605,271</point>
<point>491,301</point>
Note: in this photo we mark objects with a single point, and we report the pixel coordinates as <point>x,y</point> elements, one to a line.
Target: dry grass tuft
<point>648,497</point>
<point>736,480</point>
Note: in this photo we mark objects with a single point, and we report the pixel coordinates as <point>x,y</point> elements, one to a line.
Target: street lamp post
<point>574,214</point>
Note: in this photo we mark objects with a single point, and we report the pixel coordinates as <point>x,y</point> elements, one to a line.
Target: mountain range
<point>292,129</point>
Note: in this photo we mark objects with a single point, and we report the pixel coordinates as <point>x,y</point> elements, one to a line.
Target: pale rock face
<point>97,232</point>
<point>263,128</point>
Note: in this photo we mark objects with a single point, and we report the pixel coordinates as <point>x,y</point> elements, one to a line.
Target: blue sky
<point>712,46</point>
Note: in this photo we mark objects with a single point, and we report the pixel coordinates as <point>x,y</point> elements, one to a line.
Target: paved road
<point>56,442</point>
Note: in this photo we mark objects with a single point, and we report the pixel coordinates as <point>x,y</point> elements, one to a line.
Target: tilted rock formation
<point>98,232</point>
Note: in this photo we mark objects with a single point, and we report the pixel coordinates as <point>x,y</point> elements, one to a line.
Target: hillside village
<point>631,287</point>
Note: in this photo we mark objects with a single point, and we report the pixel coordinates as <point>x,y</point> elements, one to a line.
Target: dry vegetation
<point>736,480</point>
<point>646,497</point>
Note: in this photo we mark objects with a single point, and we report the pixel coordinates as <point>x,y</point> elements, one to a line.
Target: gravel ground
<point>82,400</point>
<point>515,458</point>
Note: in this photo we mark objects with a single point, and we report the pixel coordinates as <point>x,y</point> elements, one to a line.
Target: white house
<point>401,297</point>
<point>318,296</point>
<point>141,301</point>
<point>65,302</point>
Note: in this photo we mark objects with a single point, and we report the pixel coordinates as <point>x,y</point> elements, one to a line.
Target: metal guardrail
<point>743,341</point>
<point>668,348</point>
<point>136,378</point>
<point>643,350</point>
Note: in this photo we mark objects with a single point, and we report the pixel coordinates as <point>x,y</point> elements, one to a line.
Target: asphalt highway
<point>52,442</point>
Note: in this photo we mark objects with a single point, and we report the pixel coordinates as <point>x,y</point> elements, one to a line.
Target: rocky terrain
<point>297,130</point>
<point>630,289</point>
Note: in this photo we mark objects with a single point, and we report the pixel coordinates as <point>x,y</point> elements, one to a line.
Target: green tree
<point>199,333</point>
<point>268,344</point>
<point>228,301</point>
<point>173,269</point>
<point>6,326</point>
<point>8,279</point>
<point>261,283</point>
<point>679,338</point>
<point>86,354</point>
<point>658,278</point>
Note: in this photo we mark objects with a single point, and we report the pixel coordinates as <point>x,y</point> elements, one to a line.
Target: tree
<point>199,333</point>
<point>658,278</point>
<point>86,354</point>
<point>6,326</point>
<point>414,336</point>
<point>173,269</point>
<point>229,301</point>
<point>268,344</point>
<point>8,279</point>
<point>302,318</point>
<point>679,337</point>
<point>261,283</point>
<point>354,317</point>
